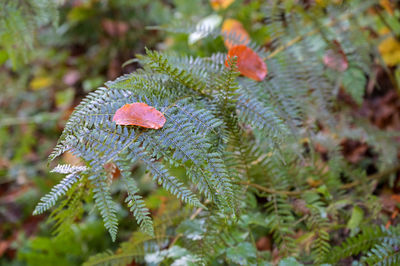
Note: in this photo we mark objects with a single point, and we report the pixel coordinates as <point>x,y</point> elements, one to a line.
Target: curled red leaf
<point>139,114</point>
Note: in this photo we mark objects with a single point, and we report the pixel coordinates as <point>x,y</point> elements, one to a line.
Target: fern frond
<point>70,209</point>
<point>196,65</point>
<point>162,176</point>
<point>369,237</point>
<point>205,122</point>
<point>382,255</point>
<point>161,64</point>
<point>261,116</point>
<point>105,204</point>
<point>320,227</point>
<point>68,169</point>
<point>102,258</point>
<point>280,213</point>
<point>61,189</point>
<point>135,202</point>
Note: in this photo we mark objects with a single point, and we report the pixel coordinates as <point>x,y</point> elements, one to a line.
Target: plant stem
<point>271,191</point>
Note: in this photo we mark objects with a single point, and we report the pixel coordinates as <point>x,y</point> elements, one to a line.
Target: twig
<point>272,191</point>
<point>36,119</point>
<point>385,173</point>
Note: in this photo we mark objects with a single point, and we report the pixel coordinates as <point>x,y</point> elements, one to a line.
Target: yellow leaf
<point>39,83</point>
<point>390,51</point>
<point>235,30</point>
<point>324,3</point>
<point>220,4</point>
<point>387,5</point>
<point>313,183</point>
<point>305,141</point>
<point>321,3</point>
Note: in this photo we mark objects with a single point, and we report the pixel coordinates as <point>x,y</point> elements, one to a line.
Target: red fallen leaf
<point>336,59</point>
<point>139,114</point>
<point>396,198</point>
<point>249,63</point>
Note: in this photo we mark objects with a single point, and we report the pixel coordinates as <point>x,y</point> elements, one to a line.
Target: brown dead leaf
<point>387,202</point>
<point>6,243</point>
<point>383,111</point>
<point>321,150</point>
<point>70,158</point>
<point>115,28</point>
<point>264,243</point>
<point>114,69</point>
<point>300,206</point>
<point>15,193</point>
<point>112,170</point>
<point>353,150</point>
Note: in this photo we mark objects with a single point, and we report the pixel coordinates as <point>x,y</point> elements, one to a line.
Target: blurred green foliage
<point>51,54</point>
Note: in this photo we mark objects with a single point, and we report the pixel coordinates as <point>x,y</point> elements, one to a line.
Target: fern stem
<point>273,191</point>
<point>296,193</point>
<point>376,176</point>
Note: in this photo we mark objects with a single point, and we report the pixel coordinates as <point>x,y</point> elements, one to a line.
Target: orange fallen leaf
<point>220,4</point>
<point>249,63</point>
<point>392,217</point>
<point>232,28</point>
<point>139,114</point>
<point>396,198</point>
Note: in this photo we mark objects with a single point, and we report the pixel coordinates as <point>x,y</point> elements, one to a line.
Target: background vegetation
<point>328,195</point>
